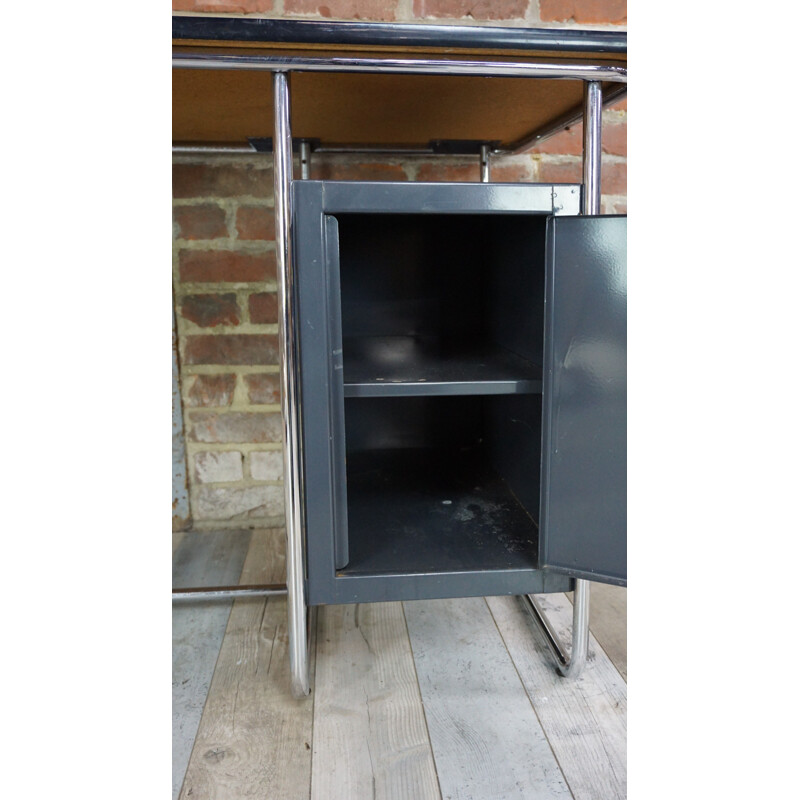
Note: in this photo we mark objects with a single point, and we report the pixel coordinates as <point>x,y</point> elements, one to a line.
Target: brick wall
<point>224,254</point>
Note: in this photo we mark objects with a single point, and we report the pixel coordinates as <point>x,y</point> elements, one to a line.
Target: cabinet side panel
<point>584,525</point>
<point>316,377</point>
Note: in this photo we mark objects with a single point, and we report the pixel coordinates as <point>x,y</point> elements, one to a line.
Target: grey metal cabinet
<point>462,381</point>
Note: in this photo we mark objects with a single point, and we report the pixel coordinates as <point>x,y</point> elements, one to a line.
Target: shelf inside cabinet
<point>405,366</point>
<point>428,510</point>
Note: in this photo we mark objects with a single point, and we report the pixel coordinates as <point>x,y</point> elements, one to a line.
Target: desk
<point>557,477</point>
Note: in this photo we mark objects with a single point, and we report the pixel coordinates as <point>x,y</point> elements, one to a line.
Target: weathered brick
<point>222,180</point>
<point>439,171</point>
<point>512,171</point>
<point>235,348</point>
<point>354,171</point>
<point>226,266</point>
<point>584,11</point>
<point>266,465</point>
<point>235,427</point>
<point>615,178</point>
<point>613,174</point>
<point>210,310</point>
<point>474,9</point>
<point>218,467</point>
<point>263,388</point>
<point>502,171</point>
<point>384,10</point>
<point>570,142</point>
<point>211,391</point>
<point>226,6</point>
<point>614,205</point>
<point>615,138</point>
<point>200,222</point>
<point>263,308</point>
<point>235,502</point>
<point>561,171</point>
<point>255,222</point>
<point>622,105</point>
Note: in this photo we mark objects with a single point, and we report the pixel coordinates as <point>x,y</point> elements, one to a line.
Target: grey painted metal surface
<point>181,515</point>
<point>583,526</point>
<point>332,578</point>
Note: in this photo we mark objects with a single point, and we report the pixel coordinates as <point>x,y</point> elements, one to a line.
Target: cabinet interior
<point>442,338</point>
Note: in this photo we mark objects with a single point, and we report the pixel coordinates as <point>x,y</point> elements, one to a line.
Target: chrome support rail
<point>229,592</point>
<point>406,66</point>
<point>290,407</point>
<point>572,666</point>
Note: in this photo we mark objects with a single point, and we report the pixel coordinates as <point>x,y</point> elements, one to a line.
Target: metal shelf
<point>406,366</point>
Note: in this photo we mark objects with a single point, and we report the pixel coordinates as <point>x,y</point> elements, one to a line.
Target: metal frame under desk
<point>223,31</point>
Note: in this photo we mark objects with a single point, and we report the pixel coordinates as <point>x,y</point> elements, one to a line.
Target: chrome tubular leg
<point>305,159</point>
<point>592,124</point>
<point>290,410</point>
<point>572,666</point>
<point>485,165</point>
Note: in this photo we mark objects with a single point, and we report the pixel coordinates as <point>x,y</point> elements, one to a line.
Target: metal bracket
<point>570,666</point>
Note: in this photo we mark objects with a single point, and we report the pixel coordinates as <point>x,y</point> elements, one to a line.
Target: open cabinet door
<point>583,525</point>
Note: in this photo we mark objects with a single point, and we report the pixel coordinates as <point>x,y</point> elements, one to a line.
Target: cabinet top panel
<point>379,108</point>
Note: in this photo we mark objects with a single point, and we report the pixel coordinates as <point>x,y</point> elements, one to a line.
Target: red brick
<point>222,180</point>
<point>211,390</point>
<point>237,348</point>
<point>384,10</point>
<point>263,388</point>
<point>222,6</point>
<point>615,138</point>
<point>439,171</point>
<point>263,308</point>
<point>615,206</point>
<point>226,266</point>
<point>238,426</point>
<point>570,142</point>
<point>255,222</point>
<point>474,9</point>
<point>210,310</point>
<point>621,106</point>
<point>200,222</point>
<point>584,11</point>
<point>512,172</point>
<point>332,171</point>
<point>613,175</point>
<point>561,171</point>
<point>615,178</point>
<point>501,171</point>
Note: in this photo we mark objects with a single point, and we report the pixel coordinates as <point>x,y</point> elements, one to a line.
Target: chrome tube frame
<point>298,627</point>
<point>572,666</point>
<point>403,66</point>
<point>229,592</point>
<point>290,406</point>
<point>569,665</point>
<point>305,159</point>
<point>485,165</point>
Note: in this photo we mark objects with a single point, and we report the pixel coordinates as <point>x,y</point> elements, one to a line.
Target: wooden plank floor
<point>427,699</point>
